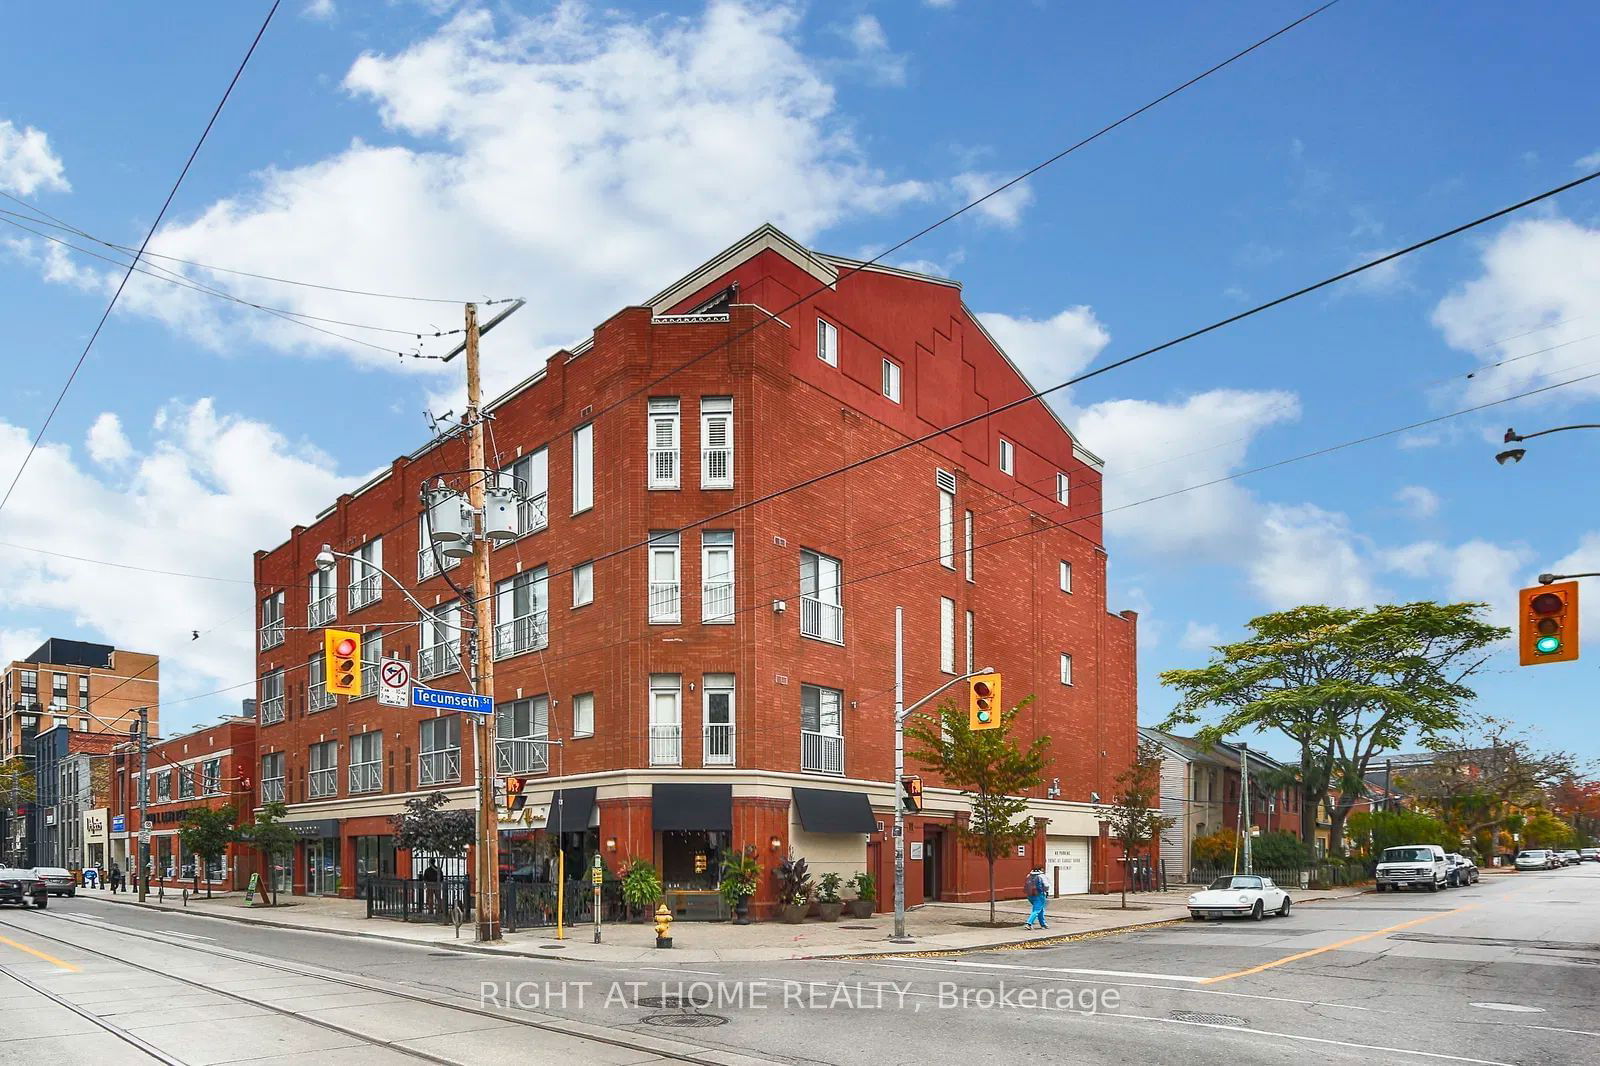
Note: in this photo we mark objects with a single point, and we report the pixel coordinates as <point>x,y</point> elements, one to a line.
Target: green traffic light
<point>1547,645</point>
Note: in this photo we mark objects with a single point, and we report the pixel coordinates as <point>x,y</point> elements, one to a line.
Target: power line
<point>128,274</point>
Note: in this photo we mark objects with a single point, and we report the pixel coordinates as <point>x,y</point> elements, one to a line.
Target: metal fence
<point>530,906</point>
<point>411,899</point>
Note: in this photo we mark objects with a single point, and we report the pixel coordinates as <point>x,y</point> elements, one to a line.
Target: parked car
<point>58,880</point>
<point>1571,857</point>
<point>1239,896</point>
<point>1589,854</point>
<point>1412,866</point>
<point>1556,860</point>
<point>1532,859</point>
<point>22,887</point>
<point>1462,870</point>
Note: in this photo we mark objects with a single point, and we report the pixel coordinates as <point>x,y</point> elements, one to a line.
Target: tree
<point>1544,830</point>
<point>16,791</point>
<point>1279,850</point>
<point>1215,849</point>
<point>424,826</point>
<point>1344,684</point>
<point>1134,821</point>
<point>207,833</point>
<point>269,835</point>
<point>991,769</point>
<point>1374,831</point>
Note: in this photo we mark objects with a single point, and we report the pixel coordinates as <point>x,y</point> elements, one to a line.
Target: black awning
<point>827,810</point>
<point>570,808</point>
<point>692,807</point>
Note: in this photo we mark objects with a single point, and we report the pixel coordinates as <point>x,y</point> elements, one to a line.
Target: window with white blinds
<point>663,443</point>
<point>947,635</point>
<point>716,442</point>
<point>583,468</point>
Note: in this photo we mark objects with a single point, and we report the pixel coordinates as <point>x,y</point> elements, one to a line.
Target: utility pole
<point>899,773</point>
<point>1244,798</point>
<point>144,802</point>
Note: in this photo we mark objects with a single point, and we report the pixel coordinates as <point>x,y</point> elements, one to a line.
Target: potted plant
<point>828,901</point>
<point>866,900</point>
<point>740,877</point>
<point>794,889</point>
<point>641,888</point>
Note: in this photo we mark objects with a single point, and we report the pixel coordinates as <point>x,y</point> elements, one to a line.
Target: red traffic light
<point>1546,603</point>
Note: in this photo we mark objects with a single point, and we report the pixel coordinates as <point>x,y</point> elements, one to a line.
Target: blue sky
<point>583,156</point>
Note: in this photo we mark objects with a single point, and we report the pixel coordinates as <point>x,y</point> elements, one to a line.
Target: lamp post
<point>1514,455</point>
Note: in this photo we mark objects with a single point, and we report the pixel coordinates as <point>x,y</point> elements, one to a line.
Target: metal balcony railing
<point>521,755</point>
<point>821,753</point>
<point>528,633</point>
<point>718,744</point>
<point>663,468</point>
<point>320,698</point>
<point>324,783</point>
<point>428,563</point>
<point>369,680</point>
<point>665,601</point>
<point>272,710</point>
<point>365,777</point>
<point>533,514</point>
<point>322,610</point>
<point>365,591</point>
<point>439,660</point>
<point>438,767</point>
<point>272,790</point>
<point>666,745</point>
<point>272,634</point>
<point>824,621</point>
<point>716,601</point>
<point>716,468</point>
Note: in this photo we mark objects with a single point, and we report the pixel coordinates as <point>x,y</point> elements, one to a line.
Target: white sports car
<point>1239,896</point>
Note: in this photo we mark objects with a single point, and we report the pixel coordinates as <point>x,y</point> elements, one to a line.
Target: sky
<point>581,156</point>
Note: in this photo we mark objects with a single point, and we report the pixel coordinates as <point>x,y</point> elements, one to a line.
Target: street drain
<point>1202,1018</point>
<point>685,1021</point>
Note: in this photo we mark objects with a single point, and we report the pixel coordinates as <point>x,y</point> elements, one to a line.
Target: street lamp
<point>1514,455</point>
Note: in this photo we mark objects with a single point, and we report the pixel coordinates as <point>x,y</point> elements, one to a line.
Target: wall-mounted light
<point>611,843</point>
<point>776,843</point>
<point>779,606</point>
<point>1094,797</point>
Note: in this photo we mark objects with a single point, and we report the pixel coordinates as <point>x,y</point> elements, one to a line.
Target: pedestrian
<point>430,879</point>
<point>1034,888</point>
<point>116,879</point>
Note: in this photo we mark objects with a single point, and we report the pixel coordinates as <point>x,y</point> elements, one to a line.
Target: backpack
<point>1035,885</point>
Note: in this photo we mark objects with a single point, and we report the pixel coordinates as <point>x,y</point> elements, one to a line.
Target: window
<point>1007,457</point>
<point>324,775</point>
<point>522,607</point>
<point>366,762</point>
<point>520,730</point>
<point>440,641</point>
<point>947,634</point>
<point>366,584</point>
<point>83,725</point>
<point>717,749</point>
<point>1063,489</point>
<point>582,584</point>
<point>827,343</point>
<point>185,782</point>
<point>583,468</point>
<point>211,777</point>
<point>318,697</point>
<point>431,556</point>
<point>439,750</point>
<point>324,602</point>
<point>716,575</point>
<point>947,517</point>
<point>83,692</point>
<point>271,705</point>
<point>583,714</point>
<point>821,607</point>
<point>971,659</point>
<point>666,720</point>
<point>662,444</point>
<point>968,545</point>
<point>58,692</point>
<point>30,683</point>
<point>371,663</point>
<point>891,380</point>
<point>716,442</point>
<point>163,786</point>
<point>1066,669</point>
<point>821,730</point>
<point>1066,576</point>
<point>664,592</point>
<point>529,478</point>
<point>272,778</point>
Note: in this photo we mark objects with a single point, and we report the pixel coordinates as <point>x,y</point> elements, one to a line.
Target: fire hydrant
<point>663,927</point>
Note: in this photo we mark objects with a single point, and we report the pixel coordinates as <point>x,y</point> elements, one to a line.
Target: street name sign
<point>445,700</point>
<point>394,683</point>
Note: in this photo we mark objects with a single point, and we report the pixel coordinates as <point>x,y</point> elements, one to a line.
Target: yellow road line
<point>39,954</point>
<point>1336,946</point>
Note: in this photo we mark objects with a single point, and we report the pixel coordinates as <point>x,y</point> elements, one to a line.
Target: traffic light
<point>516,798</point>
<point>341,660</point>
<point>1547,623</point>
<point>983,702</point>
<point>911,794</point>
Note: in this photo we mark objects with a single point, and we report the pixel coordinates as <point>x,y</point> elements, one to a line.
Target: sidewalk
<point>933,927</point>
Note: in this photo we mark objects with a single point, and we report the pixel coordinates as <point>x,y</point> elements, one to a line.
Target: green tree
<point>1544,830</point>
<point>1132,814</point>
<point>1344,684</point>
<point>425,826</point>
<point>1279,850</point>
<point>991,769</point>
<point>16,790</point>
<point>207,833</point>
<point>1371,832</point>
<point>273,839</point>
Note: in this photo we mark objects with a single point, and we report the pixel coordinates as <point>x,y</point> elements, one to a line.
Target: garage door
<point>1066,865</point>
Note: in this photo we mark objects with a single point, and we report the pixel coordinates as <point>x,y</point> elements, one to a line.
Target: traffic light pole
<point>144,802</point>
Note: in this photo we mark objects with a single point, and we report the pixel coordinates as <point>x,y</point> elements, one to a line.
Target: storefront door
<point>932,863</point>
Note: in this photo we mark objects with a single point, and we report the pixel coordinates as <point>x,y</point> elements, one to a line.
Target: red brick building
<point>730,684</point>
<point>211,767</point>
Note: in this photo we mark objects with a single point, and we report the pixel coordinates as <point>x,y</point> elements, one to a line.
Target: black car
<point>21,887</point>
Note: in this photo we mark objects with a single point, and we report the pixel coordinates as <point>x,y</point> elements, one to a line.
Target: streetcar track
<point>125,1035</point>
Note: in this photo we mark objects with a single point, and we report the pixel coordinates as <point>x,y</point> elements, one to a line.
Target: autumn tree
<point>1133,816</point>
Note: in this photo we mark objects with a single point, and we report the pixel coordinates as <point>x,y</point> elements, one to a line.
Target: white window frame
<point>822,608</point>
<point>366,771</point>
<point>716,424</point>
<point>371,663</point>
<point>827,342</point>
<point>583,468</point>
<point>519,630</point>
<point>666,720</point>
<point>211,777</point>
<point>947,528</point>
<point>663,444</point>
<point>1066,576</point>
<point>716,596</point>
<point>322,778</point>
<point>972,626</point>
<point>583,715</point>
<point>822,748</point>
<point>428,561</point>
<point>664,577</point>
<point>529,477</point>
<point>583,584</point>
<point>1008,457</point>
<point>891,380</point>
<point>1066,668</point>
<point>366,583</point>
<point>446,759</point>
<point>272,784</point>
<point>271,705</point>
<point>318,698</point>
<point>521,748</point>
<point>967,547</point>
<point>438,644</point>
<point>322,606</point>
<point>272,622</point>
<point>1063,488</point>
<point>947,634</point>
<point>718,739</point>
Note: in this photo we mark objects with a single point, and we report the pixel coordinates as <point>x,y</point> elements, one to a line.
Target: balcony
<point>272,710</point>
<point>716,468</point>
<point>821,753</point>
<point>369,680</point>
<point>663,468</point>
<point>324,783</point>
<point>439,660</point>
<point>717,742</point>
<point>428,563</point>
<point>716,601</point>
<point>820,620</point>
<point>271,634</point>
<point>665,603</point>
<point>322,610</point>
<point>521,755</point>
<point>439,767</point>
<point>272,790</point>
<point>365,777</point>
<point>533,513</point>
<point>666,745</point>
<point>320,699</point>
<point>366,591</point>
<point>528,633</point>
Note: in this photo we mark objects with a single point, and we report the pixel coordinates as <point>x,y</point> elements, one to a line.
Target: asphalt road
<point>1507,971</point>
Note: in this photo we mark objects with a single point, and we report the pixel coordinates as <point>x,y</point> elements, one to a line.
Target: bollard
<point>663,927</point>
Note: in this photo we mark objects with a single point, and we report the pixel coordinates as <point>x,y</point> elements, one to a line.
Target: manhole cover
<point>1514,1008</point>
<point>1202,1018</point>
<point>685,1021</point>
<point>552,947</point>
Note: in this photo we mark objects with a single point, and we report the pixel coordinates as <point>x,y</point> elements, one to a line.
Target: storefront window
<point>692,859</point>
<point>374,858</point>
<point>164,857</point>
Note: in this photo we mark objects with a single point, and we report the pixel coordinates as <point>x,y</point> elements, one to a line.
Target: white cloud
<point>882,64</point>
<point>1049,350</point>
<point>15,643</point>
<point>106,442</point>
<point>945,4</point>
<point>319,10</point>
<point>1384,280</point>
<point>1199,636</point>
<point>1308,555</point>
<point>1536,290</point>
<point>1476,570</point>
<point>207,492</point>
<point>1419,501</point>
<point>27,163</point>
<point>1584,559</point>
<point>1589,162</point>
<point>1003,209</point>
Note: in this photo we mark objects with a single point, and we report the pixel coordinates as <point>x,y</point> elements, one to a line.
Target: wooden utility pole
<point>488,850</point>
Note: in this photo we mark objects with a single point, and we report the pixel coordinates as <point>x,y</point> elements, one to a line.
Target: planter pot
<point>830,911</point>
<point>794,913</point>
<point>862,908</point>
<point>741,911</point>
